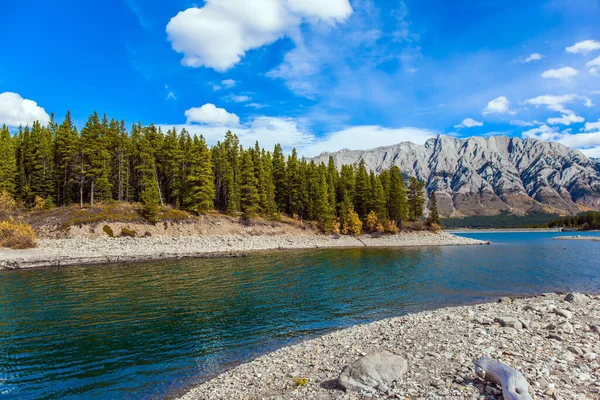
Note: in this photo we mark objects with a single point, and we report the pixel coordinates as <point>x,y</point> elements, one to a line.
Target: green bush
<point>107,229</point>
<point>128,233</point>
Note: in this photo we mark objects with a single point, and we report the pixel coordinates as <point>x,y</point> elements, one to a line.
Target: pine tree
<point>65,151</point>
<point>379,200</point>
<point>434,215</point>
<point>95,158</point>
<point>146,168</point>
<point>269,203</point>
<point>8,162</point>
<point>41,173</point>
<point>362,190</point>
<point>294,175</point>
<point>249,196</point>
<point>397,203</point>
<point>201,195</point>
<point>416,198</point>
<point>169,162</point>
<point>280,179</point>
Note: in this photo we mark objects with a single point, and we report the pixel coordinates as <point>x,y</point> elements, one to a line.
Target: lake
<point>150,330</point>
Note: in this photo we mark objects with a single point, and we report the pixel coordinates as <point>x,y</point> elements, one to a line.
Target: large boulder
<point>578,299</point>
<point>374,371</point>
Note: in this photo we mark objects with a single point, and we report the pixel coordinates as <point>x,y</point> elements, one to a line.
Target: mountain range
<point>487,176</point>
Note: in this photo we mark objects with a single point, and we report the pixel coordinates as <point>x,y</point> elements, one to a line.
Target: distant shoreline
<point>85,251</point>
<point>501,230</point>
<point>586,238</point>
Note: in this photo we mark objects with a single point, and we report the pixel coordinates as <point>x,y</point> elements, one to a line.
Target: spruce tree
<point>249,197</point>
<point>201,192</point>
<point>397,203</point>
<point>65,151</point>
<point>8,162</point>
<point>41,173</point>
<point>416,198</point>
<point>280,179</point>
<point>362,190</point>
<point>294,175</point>
<point>434,215</point>
<point>379,200</point>
<point>95,158</point>
<point>269,203</point>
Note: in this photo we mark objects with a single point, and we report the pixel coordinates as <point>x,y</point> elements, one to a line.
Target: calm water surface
<point>153,329</point>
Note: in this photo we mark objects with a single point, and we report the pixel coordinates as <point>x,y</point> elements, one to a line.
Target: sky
<point>311,74</point>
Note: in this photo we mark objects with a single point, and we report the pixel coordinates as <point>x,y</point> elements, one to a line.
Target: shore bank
<point>81,250</point>
<point>552,342</point>
<point>588,238</point>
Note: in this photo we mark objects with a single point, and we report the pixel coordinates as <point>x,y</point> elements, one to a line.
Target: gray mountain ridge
<point>487,176</point>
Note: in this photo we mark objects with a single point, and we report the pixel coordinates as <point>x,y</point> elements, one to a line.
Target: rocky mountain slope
<point>485,176</point>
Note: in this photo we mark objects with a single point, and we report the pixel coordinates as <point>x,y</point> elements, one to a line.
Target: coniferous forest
<point>105,162</point>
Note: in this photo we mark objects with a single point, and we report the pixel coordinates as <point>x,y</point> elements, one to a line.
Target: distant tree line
<point>104,162</point>
<point>585,221</point>
<point>503,220</point>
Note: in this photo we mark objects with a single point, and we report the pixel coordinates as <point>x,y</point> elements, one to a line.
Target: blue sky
<point>315,75</point>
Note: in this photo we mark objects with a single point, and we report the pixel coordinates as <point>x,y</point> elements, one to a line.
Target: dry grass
<point>16,235</point>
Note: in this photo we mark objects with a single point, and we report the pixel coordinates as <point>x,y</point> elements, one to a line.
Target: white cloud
<point>238,99</point>
<point>584,47</point>
<point>592,126</point>
<point>15,110</point>
<point>499,105</point>
<point>564,73</point>
<point>520,123</point>
<point>290,133</point>
<point>210,115</point>
<point>366,137</point>
<point>593,152</point>
<point>588,143</point>
<point>557,103</point>
<point>228,83</point>
<point>468,123</point>
<point>219,34</point>
<point>330,11</point>
<point>566,119</point>
<point>594,66</point>
<point>534,57</point>
<point>268,131</point>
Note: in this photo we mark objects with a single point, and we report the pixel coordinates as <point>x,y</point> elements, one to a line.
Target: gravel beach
<point>586,238</point>
<point>554,343</point>
<point>82,250</point>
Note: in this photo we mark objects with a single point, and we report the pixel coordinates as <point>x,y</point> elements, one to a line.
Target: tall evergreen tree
<point>65,151</point>
<point>201,183</point>
<point>249,195</point>
<point>95,158</point>
<point>41,174</point>
<point>294,175</point>
<point>434,215</point>
<point>416,198</point>
<point>280,179</point>
<point>8,162</point>
<point>362,190</point>
<point>397,205</point>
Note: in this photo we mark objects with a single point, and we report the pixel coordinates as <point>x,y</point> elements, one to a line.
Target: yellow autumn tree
<point>373,223</point>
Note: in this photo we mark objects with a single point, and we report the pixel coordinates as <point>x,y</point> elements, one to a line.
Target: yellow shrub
<point>7,202</point>
<point>373,223</point>
<point>352,223</point>
<point>391,227</point>
<point>16,235</point>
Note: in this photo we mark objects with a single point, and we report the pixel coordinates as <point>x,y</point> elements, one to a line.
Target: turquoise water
<point>150,330</point>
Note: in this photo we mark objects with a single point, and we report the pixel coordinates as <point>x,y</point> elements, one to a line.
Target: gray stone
<point>578,299</point>
<point>374,371</point>
<point>563,313</point>
<point>575,350</point>
<point>510,322</point>
<point>566,327</point>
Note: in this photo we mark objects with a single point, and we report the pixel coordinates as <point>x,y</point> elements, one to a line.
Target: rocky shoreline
<point>82,250</point>
<point>553,340</point>
<point>587,238</point>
